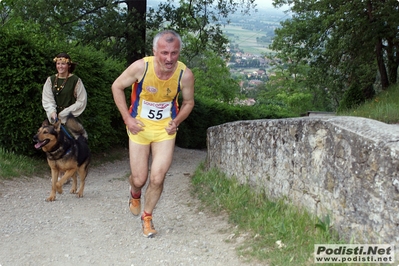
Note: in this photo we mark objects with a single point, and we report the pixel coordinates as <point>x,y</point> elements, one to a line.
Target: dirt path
<point>98,229</point>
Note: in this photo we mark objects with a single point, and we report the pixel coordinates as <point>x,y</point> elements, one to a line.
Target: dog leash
<point>64,129</point>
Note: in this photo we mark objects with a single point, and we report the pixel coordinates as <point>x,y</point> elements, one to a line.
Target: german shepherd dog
<point>65,153</point>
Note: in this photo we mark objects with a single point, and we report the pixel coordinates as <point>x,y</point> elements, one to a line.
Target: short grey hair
<point>173,36</point>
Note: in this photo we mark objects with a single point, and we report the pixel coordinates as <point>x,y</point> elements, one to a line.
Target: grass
<point>384,107</point>
<point>274,232</point>
<point>13,165</point>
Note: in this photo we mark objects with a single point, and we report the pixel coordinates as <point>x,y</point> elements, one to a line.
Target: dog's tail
<point>75,127</point>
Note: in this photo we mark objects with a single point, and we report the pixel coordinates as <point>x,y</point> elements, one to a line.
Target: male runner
<point>153,118</point>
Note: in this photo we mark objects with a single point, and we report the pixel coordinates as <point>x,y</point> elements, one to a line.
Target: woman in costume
<point>64,92</point>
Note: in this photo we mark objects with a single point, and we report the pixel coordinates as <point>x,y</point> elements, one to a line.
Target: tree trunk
<point>135,39</point>
<point>381,66</point>
<point>393,62</point>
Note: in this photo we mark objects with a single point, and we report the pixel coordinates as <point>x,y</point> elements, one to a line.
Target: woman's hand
<point>53,118</point>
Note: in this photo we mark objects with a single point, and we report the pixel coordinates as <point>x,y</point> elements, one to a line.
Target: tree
<point>347,42</point>
<point>121,27</point>
<point>136,11</point>
<point>105,24</point>
<point>213,79</point>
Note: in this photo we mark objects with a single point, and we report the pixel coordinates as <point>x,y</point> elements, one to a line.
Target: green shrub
<point>22,67</point>
<point>208,113</point>
<point>352,97</point>
<point>25,64</point>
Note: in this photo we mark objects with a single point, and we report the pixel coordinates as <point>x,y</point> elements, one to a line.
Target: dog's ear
<point>57,125</point>
<point>45,123</point>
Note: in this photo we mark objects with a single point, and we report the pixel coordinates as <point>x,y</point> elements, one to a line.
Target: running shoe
<point>134,204</point>
<point>148,227</point>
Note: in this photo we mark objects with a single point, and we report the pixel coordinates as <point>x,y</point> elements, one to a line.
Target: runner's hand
<point>134,125</point>
<point>172,128</point>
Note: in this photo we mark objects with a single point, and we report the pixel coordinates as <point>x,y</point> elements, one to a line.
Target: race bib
<point>155,111</point>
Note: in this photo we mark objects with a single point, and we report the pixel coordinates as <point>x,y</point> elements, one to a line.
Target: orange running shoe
<point>148,227</point>
<point>134,204</point>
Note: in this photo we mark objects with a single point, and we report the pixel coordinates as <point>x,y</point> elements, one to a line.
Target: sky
<point>268,5</point>
<point>264,3</point>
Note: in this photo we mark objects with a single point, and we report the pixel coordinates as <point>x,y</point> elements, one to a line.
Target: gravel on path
<point>99,229</point>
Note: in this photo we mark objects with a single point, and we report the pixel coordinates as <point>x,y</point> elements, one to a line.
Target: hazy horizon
<point>268,4</point>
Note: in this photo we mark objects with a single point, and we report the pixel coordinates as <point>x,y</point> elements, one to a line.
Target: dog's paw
<point>51,198</point>
<point>73,191</point>
<point>59,188</point>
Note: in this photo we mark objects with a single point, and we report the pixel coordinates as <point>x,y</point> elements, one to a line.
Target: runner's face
<point>167,54</point>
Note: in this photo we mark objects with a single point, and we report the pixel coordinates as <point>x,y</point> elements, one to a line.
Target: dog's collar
<point>59,151</point>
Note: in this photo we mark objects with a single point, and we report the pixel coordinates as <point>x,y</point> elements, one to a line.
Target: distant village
<point>254,70</point>
<point>245,63</point>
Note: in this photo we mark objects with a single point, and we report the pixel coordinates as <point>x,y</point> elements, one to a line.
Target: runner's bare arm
<point>188,97</point>
<point>132,74</point>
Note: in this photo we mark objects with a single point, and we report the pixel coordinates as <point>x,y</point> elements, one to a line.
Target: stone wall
<point>346,167</point>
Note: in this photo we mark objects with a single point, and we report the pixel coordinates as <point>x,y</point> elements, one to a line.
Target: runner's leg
<point>138,155</point>
<point>162,157</point>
